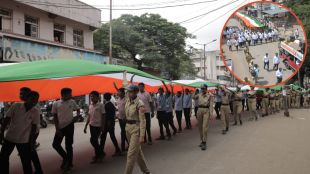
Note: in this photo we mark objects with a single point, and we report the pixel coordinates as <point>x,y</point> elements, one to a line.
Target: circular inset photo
<point>265,42</point>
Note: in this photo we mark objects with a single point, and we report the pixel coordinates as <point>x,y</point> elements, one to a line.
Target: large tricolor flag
<point>49,77</point>
<point>249,21</point>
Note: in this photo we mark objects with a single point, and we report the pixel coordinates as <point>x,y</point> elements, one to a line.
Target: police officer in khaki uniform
<point>293,99</point>
<point>252,102</point>
<point>225,109</point>
<point>265,102</point>
<point>277,99</point>
<point>298,98</point>
<point>288,96</point>
<point>237,106</point>
<point>135,130</point>
<point>272,101</point>
<point>205,104</point>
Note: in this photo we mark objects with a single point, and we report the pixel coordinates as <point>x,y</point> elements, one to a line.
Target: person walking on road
<point>161,115</point>
<point>276,62</point>
<point>252,102</point>
<point>265,102</point>
<point>187,107</point>
<point>120,103</point>
<point>96,121</point>
<point>178,107</point>
<point>64,123</point>
<point>169,109</point>
<point>135,130</point>
<point>218,103</point>
<point>23,120</point>
<point>229,44</point>
<point>204,113</point>
<point>225,109</point>
<point>109,127</point>
<point>279,75</point>
<point>149,111</point>
<point>266,62</point>
<point>237,106</point>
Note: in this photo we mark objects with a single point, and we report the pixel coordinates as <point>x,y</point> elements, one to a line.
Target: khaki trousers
<point>203,116</point>
<point>273,105</point>
<point>252,106</point>
<point>225,110</point>
<point>237,110</point>
<point>265,105</point>
<point>298,101</point>
<point>277,106</point>
<point>134,153</point>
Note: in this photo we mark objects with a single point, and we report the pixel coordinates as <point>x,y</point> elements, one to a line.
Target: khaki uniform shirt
<point>132,108</point>
<point>204,100</point>
<point>252,95</point>
<point>225,98</point>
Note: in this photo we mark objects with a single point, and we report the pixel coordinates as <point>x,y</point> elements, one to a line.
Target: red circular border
<point>299,22</point>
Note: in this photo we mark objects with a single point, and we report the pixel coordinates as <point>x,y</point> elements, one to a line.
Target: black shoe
<point>201,144</point>
<point>227,129</point>
<point>240,122</point>
<point>235,123</point>
<point>223,132</point>
<point>204,146</point>
<point>174,132</point>
<point>63,164</point>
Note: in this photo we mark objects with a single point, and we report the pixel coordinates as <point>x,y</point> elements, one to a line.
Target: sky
<point>206,28</point>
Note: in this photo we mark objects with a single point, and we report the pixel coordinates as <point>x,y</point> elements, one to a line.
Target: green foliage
<point>159,43</point>
<point>301,9</point>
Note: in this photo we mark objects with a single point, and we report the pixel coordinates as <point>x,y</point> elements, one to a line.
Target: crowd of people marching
<point>241,38</point>
<point>134,110</point>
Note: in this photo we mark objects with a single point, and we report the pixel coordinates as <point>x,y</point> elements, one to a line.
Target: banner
<point>18,50</point>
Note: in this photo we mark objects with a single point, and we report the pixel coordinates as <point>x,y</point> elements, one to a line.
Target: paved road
<point>241,69</point>
<point>274,144</point>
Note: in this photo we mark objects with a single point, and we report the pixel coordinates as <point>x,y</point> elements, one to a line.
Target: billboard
<point>18,50</point>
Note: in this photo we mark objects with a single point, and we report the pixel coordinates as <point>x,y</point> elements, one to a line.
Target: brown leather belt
<point>224,104</point>
<point>132,121</point>
<point>203,106</point>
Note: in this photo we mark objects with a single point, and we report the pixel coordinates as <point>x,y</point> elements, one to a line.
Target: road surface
<point>273,144</point>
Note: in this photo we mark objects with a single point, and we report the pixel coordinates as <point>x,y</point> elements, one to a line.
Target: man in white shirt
<point>296,33</point>
<point>279,75</point>
<point>23,120</point>
<point>266,62</point>
<point>149,111</point>
<point>178,107</point>
<point>121,101</point>
<point>187,106</point>
<point>229,44</point>
<point>62,111</point>
<point>276,62</point>
<point>96,121</point>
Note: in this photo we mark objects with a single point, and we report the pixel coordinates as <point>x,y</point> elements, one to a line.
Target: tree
<point>159,43</point>
<point>301,8</point>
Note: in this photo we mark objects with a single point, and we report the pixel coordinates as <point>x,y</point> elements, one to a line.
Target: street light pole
<point>204,62</point>
<point>205,58</point>
<point>110,35</point>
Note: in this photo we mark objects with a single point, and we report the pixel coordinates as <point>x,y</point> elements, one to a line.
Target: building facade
<point>214,69</point>
<point>40,30</point>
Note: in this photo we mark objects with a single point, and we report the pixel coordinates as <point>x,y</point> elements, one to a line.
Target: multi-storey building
<point>33,30</point>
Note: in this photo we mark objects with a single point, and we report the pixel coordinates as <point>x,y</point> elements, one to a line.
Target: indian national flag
<point>249,21</point>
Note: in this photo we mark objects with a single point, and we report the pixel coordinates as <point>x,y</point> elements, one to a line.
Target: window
<point>59,33</point>
<point>78,38</point>
<point>5,20</point>
<point>31,26</point>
